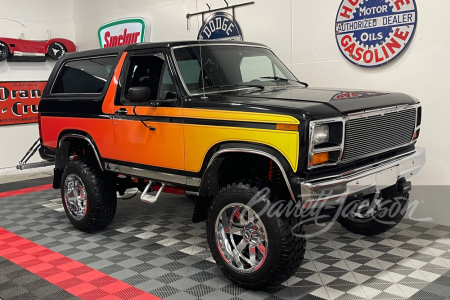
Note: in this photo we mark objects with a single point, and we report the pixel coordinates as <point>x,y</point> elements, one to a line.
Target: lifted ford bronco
<point>229,125</point>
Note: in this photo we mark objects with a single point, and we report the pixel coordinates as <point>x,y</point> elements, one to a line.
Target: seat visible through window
<point>147,72</point>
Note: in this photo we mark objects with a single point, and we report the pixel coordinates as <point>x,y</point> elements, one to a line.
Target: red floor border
<point>26,190</point>
<point>72,276</point>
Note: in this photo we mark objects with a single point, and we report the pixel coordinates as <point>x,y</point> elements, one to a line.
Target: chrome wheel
<point>241,238</point>
<point>75,196</point>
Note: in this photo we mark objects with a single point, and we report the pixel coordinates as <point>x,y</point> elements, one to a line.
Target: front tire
<point>88,195</point>
<point>4,51</point>
<point>253,249</point>
<point>56,50</point>
<point>378,215</point>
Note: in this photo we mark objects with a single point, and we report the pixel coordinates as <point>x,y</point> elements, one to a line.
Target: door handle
<point>122,111</point>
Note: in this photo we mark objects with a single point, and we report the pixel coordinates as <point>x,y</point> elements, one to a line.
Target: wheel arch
<point>66,138</point>
<point>68,44</point>
<point>217,155</point>
<point>210,186</point>
<point>249,150</point>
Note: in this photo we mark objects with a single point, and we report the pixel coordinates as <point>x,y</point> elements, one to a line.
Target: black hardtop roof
<point>151,45</point>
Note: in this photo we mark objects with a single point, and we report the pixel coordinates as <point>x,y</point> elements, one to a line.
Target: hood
<point>325,102</point>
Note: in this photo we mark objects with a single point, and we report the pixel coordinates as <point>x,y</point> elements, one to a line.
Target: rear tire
<point>4,51</point>
<point>56,50</point>
<point>278,242</point>
<point>88,195</point>
<point>391,209</point>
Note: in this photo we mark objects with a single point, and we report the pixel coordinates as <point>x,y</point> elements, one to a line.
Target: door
<point>149,134</point>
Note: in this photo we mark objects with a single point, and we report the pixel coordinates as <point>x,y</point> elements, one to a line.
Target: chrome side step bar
<point>145,197</point>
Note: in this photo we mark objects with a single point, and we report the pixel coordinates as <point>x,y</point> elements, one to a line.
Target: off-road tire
<point>101,195</point>
<point>60,47</point>
<point>286,241</point>
<point>393,208</point>
<point>4,51</point>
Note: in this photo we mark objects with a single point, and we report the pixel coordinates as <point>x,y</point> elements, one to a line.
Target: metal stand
<point>23,162</point>
<point>232,7</point>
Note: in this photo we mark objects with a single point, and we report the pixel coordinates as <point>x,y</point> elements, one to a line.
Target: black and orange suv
<point>229,125</point>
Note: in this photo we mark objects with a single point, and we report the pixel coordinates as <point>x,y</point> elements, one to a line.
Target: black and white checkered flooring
<point>156,248</point>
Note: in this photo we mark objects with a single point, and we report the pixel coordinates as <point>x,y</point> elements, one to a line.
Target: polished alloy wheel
<point>241,238</point>
<point>75,196</point>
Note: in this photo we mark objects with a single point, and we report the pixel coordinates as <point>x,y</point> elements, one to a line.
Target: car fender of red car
<point>70,46</point>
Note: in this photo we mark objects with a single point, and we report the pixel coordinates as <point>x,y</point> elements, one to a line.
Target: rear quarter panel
<point>99,129</point>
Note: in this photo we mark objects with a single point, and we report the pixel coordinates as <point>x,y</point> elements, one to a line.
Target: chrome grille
<point>376,134</point>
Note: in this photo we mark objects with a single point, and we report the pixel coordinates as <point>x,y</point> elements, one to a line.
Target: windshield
<point>231,67</point>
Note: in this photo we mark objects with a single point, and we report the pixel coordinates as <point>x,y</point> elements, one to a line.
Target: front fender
<point>209,184</point>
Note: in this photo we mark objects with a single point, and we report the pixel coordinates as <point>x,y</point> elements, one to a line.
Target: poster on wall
<point>19,101</point>
<point>220,26</point>
<point>124,32</point>
<point>372,33</point>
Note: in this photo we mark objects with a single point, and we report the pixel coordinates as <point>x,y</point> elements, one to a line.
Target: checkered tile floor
<point>156,248</point>
<point>18,283</point>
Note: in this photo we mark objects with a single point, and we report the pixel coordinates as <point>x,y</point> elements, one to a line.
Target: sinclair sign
<point>124,32</point>
<point>19,101</point>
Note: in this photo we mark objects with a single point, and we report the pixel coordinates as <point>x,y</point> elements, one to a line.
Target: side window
<point>167,88</point>
<point>253,66</point>
<point>190,69</point>
<point>84,76</point>
<point>150,71</point>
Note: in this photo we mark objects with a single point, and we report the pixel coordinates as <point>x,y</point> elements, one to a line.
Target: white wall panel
<point>35,18</point>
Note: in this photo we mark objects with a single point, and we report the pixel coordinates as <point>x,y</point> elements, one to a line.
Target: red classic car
<point>26,50</point>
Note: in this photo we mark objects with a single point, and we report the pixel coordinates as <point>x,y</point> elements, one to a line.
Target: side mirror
<point>139,94</point>
<point>169,99</point>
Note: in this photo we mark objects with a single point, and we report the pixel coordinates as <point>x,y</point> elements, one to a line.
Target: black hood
<point>320,103</point>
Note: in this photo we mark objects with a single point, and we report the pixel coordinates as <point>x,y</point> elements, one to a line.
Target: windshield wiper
<point>284,79</point>
<point>235,85</point>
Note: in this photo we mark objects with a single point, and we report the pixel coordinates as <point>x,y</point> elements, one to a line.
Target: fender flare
<point>209,183</point>
<point>61,159</point>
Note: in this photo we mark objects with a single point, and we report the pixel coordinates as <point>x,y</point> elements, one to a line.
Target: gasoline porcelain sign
<point>371,33</point>
<point>124,32</point>
<point>220,26</point>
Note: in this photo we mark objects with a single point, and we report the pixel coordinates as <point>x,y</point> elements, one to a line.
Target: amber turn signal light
<point>287,127</point>
<point>320,158</point>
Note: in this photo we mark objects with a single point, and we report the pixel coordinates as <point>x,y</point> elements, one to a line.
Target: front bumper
<point>364,180</point>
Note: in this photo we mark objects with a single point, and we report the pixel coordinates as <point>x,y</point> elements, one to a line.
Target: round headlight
<point>321,134</point>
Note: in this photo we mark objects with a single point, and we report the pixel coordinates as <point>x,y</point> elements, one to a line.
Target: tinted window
<point>213,68</point>
<point>253,66</point>
<point>84,76</point>
<point>150,71</point>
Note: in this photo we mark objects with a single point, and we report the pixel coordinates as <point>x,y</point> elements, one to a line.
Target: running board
<point>145,197</point>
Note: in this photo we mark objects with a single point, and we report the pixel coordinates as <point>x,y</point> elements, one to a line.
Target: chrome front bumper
<point>367,178</point>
